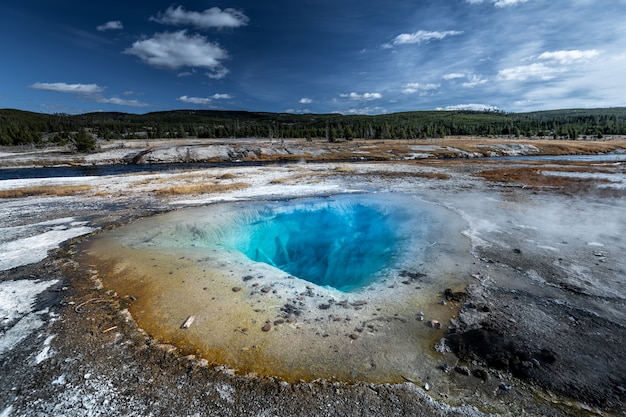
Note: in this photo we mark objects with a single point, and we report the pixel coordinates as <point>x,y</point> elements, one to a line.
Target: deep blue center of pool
<point>338,246</point>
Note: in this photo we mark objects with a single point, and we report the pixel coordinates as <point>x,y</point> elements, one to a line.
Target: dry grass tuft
<point>227,176</point>
<point>533,177</point>
<point>396,174</point>
<point>212,188</point>
<point>49,190</point>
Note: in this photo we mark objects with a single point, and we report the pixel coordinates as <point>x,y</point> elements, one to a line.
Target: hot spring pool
<point>328,287</point>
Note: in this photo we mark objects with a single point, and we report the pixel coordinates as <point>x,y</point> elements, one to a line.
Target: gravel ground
<point>539,330</point>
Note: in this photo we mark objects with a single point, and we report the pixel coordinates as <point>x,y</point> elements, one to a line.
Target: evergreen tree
<point>84,141</point>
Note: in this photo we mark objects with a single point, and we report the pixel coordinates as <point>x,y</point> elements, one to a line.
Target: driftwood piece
<point>187,324</point>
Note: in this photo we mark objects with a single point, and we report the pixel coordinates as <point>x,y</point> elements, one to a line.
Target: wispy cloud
<point>68,88</point>
<point>498,3</point>
<point>218,73</point>
<point>306,100</point>
<point>566,57</point>
<point>473,80</point>
<point>453,76</point>
<point>89,91</point>
<point>203,100</point>
<point>361,97</point>
<point>538,71</point>
<point>112,25</point>
<point>121,102</point>
<point>173,50</point>
<point>422,89</point>
<point>209,18</point>
<point>422,36</point>
<point>470,106</point>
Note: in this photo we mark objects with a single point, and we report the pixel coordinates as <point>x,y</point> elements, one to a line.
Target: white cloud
<point>68,88</point>
<point>90,91</point>
<point>498,3</point>
<point>173,50</point>
<point>473,80</point>
<point>569,56</point>
<point>218,73</point>
<point>366,110</point>
<point>470,106</point>
<point>363,97</point>
<point>210,18</point>
<point>306,100</point>
<point>298,111</point>
<point>112,25</point>
<point>538,71</point>
<point>453,75</point>
<point>423,36</point>
<point>412,88</point>
<point>121,102</point>
<point>203,100</point>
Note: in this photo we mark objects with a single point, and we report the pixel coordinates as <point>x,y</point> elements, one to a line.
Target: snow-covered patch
<point>7,411</point>
<point>419,155</point>
<point>510,149</point>
<point>45,353</point>
<point>33,249</point>
<point>425,148</point>
<point>21,330</point>
<point>39,182</point>
<point>615,180</point>
<point>226,392</point>
<point>17,298</point>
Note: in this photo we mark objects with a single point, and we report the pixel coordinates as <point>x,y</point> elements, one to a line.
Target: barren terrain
<point>538,316</point>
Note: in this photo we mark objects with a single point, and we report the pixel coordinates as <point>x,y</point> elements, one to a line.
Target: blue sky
<point>312,56</point>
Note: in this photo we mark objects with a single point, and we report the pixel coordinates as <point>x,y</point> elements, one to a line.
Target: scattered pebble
<point>267,327</point>
<point>266,289</point>
<point>463,370</point>
<point>354,336</point>
<point>236,289</point>
<point>505,387</point>
<point>426,387</point>
<point>435,324</point>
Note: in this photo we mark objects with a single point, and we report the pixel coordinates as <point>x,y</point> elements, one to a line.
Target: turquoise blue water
<point>341,246</point>
<point>346,241</point>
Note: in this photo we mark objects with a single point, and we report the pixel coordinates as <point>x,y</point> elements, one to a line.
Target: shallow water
<point>381,259</point>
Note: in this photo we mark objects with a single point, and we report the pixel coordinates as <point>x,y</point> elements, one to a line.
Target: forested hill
<point>21,127</point>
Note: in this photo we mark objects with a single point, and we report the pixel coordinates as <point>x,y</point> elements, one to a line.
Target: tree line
<point>81,131</point>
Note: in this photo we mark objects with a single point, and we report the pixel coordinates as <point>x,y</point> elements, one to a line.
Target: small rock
<point>267,327</point>
<point>480,374</point>
<point>435,324</point>
<point>324,306</point>
<point>278,321</point>
<point>359,303</point>
<point>266,289</point>
<point>236,289</point>
<point>463,370</point>
<point>420,316</point>
<point>426,387</point>
<point>354,336</point>
<point>504,387</point>
<point>517,250</point>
